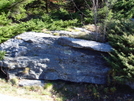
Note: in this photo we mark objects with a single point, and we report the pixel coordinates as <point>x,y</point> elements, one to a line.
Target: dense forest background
<point>114,17</point>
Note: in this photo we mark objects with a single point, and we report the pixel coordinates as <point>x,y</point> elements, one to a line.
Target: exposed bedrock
<point>42,56</point>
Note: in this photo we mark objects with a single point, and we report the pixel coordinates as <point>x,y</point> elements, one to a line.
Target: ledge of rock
<point>42,56</point>
<point>80,43</point>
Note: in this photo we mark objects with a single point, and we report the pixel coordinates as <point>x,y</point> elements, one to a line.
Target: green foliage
<point>5,4</point>
<point>60,24</point>
<point>37,25</point>
<point>123,9</point>
<point>48,86</point>
<point>2,54</point>
<point>15,8</point>
<point>121,37</point>
<point>60,14</point>
<point>4,19</point>
<point>89,16</point>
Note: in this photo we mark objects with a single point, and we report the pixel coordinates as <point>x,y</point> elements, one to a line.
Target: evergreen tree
<point>121,37</point>
<point>123,9</point>
<point>14,8</point>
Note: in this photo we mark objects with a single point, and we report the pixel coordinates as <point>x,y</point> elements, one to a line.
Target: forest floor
<point>68,91</point>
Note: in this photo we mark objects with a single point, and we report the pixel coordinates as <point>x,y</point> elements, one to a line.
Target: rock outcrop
<point>42,56</point>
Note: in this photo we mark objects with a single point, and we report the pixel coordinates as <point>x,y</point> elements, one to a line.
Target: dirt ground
<point>68,91</point>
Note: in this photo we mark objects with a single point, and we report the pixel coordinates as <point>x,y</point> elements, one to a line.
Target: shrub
<point>60,14</point>
<point>4,19</point>
<point>121,37</point>
<point>123,9</point>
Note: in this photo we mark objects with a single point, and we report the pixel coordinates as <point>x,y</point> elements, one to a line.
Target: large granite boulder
<point>42,56</point>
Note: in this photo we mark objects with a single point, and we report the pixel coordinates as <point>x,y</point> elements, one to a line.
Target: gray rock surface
<point>79,43</point>
<point>130,84</point>
<point>132,19</point>
<point>25,82</point>
<point>42,56</point>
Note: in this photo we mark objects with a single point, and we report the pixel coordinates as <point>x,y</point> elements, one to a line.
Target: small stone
<point>25,82</point>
